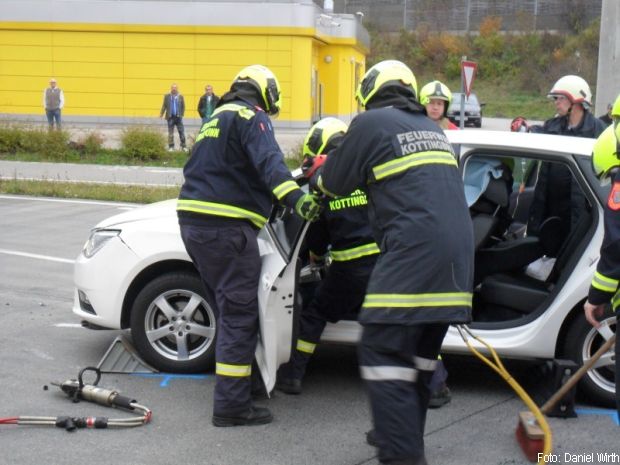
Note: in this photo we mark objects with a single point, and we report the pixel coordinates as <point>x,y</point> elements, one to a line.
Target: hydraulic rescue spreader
<point>77,390</point>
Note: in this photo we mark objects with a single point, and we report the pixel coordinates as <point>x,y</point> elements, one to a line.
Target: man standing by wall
<point>173,109</point>
<point>53,101</point>
<point>207,103</point>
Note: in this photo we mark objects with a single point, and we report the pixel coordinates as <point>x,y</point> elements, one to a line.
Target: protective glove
<point>519,124</point>
<point>311,164</point>
<point>308,207</point>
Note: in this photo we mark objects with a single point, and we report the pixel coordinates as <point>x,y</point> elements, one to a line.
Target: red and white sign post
<point>468,73</point>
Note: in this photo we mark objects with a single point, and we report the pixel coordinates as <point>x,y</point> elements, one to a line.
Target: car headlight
<point>97,240</point>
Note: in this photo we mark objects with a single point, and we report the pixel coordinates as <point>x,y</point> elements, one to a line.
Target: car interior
<point>517,274</point>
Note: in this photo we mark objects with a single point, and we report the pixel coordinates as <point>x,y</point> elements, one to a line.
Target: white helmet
<point>574,88</point>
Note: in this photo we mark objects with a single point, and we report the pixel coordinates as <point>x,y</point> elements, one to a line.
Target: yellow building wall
<point>341,67</point>
<point>122,71</point>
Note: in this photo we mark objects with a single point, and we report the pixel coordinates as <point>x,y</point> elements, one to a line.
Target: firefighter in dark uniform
<point>605,287</point>
<point>422,281</point>
<point>342,231</point>
<point>557,192</point>
<point>231,179</point>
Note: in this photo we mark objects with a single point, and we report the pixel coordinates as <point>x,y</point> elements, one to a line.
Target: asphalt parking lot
<point>43,342</point>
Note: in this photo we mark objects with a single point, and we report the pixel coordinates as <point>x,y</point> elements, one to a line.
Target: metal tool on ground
<point>496,365</point>
<point>122,357</point>
<point>77,390</point>
<point>529,433</point>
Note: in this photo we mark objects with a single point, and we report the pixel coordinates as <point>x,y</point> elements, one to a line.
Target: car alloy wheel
<point>173,326</point>
<point>581,343</point>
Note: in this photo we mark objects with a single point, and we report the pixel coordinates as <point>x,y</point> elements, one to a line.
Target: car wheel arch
<point>565,328</point>
<point>144,277</point>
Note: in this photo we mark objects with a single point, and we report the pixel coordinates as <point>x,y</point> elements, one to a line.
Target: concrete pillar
<point>608,75</point>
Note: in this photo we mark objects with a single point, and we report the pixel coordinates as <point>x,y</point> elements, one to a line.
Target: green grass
<point>502,101</point>
<point>103,157</point>
<point>91,191</point>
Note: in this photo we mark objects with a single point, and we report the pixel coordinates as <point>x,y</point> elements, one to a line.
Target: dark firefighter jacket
<point>418,212</point>
<point>604,287</point>
<point>557,192</point>
<point>236,167</point>
<point>344,225</point>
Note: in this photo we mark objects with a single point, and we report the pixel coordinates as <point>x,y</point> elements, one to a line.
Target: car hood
<point>164,209</point>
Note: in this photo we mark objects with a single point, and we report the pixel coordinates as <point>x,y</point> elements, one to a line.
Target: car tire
<point>478,123</point>
<point>582,341</point>
<point>170,335</point>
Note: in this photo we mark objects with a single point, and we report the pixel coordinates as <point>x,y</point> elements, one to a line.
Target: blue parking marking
<point>593,411</point>
<point>166,377</point>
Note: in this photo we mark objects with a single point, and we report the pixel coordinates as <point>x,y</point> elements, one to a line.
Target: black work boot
<point>288,385</point>
<point>371,438</point>
<point>254,416</point>
<point>440,397</point>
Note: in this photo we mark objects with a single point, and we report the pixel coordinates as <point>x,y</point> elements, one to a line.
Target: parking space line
<point>596,411</point>
<point>167,377</point>
<point>37,256</point>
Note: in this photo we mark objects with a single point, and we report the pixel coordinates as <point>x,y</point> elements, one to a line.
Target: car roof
<point>527,142</point>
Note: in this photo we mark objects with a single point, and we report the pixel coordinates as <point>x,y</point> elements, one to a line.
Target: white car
<point>134,272</point>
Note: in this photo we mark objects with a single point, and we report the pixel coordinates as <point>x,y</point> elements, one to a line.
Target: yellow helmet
<point>436,90</point>
<point>321,134</point>
<point>263,80</point>
<point>615,108</point>
<point>605,153</point>
<point>386,74</point>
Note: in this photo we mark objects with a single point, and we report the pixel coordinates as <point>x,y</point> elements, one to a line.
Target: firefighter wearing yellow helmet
<point>436,98</point>
<point>605,286</point>
<point>235,171</point>
<point>423,279</point>
<point>343,234</point>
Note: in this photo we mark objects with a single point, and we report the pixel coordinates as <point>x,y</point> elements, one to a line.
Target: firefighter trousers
<point>228,261</point>
<point>339,296</point>
<point>397,364</point>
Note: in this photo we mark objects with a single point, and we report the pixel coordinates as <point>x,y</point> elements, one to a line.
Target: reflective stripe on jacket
<point>606,280</point>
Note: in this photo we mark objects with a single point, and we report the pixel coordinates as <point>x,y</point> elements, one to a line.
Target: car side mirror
<point>482,105</point>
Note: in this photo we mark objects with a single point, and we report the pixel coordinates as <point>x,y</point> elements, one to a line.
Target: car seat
<point>489,202</point>
<point>523,294</point>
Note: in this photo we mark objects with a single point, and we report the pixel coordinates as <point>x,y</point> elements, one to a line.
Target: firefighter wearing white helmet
<point>423,279</point>
<point>235,171</point>
<point>557,192</point>
<point>605,286</point>
<point>436,98</point>
<point>343,234</point>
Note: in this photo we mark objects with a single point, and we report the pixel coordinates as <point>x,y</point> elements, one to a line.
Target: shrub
<point>143,143</point>
<point>91,143</point>
<point>9,139</point>
<point>56,145</point>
